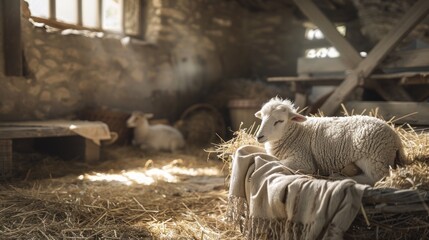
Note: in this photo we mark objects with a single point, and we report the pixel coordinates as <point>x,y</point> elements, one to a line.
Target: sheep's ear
<point>296,117</point>
<point>258,114</point>
<point>148,115</point>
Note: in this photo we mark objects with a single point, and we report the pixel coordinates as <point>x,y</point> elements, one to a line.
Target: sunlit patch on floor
<point>149,175</point>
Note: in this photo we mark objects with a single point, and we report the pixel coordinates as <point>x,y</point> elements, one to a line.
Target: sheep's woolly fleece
<point>276,102</point>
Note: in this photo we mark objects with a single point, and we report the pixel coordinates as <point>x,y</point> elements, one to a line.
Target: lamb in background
<point>326,145</point>
<point>154,137</point>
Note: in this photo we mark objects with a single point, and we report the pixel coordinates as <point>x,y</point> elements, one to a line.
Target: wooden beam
<point>415,14</point>
<point>411,18</point>
<point>348,53</point>
<point>12,46</point>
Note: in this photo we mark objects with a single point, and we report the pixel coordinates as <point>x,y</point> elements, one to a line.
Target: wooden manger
<point>69,139</point>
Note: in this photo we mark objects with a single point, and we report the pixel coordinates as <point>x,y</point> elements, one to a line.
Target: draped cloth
<point>267,200</point>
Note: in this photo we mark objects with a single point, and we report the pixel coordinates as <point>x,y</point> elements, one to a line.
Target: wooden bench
<point>68,139</point>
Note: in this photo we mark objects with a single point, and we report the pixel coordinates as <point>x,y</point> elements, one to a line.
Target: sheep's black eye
<point>277,122</point>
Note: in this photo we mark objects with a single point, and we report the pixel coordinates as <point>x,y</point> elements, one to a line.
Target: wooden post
<point>12,46</point>
<point>301,91</point>
<point>6,166</point>
<point>92,151</point>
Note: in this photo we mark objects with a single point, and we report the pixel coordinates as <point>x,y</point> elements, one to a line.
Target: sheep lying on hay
<point>329,144</point>
<point>396,207</point>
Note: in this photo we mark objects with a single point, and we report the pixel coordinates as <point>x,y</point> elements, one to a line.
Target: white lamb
<point>326,145</point>
<point>154,137</point>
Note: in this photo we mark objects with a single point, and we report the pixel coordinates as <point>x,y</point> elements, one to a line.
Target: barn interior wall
<point>189,45</point>
<point>274,42</point>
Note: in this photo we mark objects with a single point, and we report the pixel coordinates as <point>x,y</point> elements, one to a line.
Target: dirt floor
<point>129,194</point>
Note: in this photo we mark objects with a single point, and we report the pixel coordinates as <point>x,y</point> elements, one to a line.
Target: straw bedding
<point>54,199</point>
<point>72,206</point>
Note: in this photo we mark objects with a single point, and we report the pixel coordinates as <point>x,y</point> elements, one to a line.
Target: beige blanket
<point>268,201</point>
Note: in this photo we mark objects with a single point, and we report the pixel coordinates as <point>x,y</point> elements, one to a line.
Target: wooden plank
<point>12,48</point>
<point>318,81</point>
<point>12,132</point>
<point>348,54</point>
<point>394,109</point>
<point>365,67</point>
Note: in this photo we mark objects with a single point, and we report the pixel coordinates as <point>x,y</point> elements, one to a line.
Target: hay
<point>75,206</point>
<point>188,203</point>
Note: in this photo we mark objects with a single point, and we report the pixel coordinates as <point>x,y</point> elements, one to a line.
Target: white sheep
<point>326,145</point>
<point>154,137</point>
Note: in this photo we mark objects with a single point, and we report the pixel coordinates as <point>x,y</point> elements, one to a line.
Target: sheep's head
<point>276,115</point>
<point>138,118</point>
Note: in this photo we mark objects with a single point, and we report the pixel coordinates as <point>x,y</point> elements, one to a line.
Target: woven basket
<point>201,125</point>
<point>392,214</point>
<point>116,120</point>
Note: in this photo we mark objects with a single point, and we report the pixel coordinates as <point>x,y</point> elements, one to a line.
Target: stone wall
<point>378,17</point>
<point>190,45</point>
<point>274,40</point>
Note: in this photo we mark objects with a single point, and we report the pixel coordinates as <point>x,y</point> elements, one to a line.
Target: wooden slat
<point>365,67</point>
<point>316,81</point>
<point>347,52</point>
<point>12,48</point>
<point>394,109</point>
